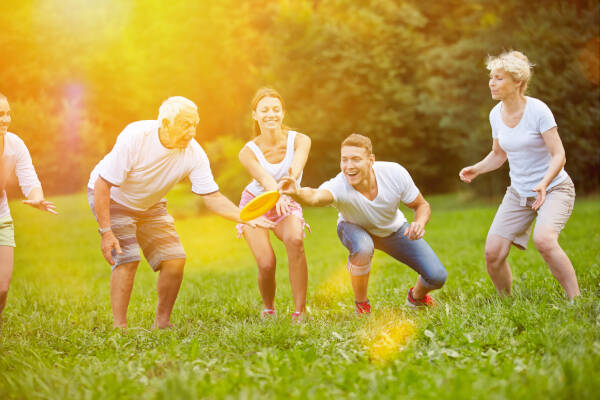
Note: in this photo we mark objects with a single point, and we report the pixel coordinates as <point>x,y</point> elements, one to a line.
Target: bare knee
<point>495,256</point>
<point>266,265</point>
<point>294,241</point>
<point>172,267</point>
<point>545,242</point>
<point>3,294</point>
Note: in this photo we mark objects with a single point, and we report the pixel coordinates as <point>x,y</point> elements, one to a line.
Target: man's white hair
<point>515,63</point>
<point>173,106</point>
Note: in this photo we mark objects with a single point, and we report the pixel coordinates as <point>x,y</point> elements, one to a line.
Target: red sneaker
<point>426,301</point>
<point>267,313</point>
<point>362,308</point>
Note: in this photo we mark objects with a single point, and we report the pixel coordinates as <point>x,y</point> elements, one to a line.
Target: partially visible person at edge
<point>525,133</point>
<point>367,194</point>
<point>126,191</point>
<point>14,155</point>
<point>275,151</point>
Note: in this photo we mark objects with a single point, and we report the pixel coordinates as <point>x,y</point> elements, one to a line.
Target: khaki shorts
<point>514,217</point>
<point>7,232</point>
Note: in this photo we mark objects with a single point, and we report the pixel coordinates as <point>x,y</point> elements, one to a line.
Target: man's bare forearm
<point>102,202</point>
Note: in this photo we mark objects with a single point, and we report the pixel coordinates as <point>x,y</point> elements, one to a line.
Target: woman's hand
<point>541,196</point>
<point>283,205</point>
<point>467,174</point>
<point>42,204</point>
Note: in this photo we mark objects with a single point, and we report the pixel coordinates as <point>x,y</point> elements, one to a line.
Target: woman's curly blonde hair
<point>515,63</point>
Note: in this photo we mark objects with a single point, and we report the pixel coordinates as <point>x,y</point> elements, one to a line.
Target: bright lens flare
<point>335,287</point>
<point>388,336</point>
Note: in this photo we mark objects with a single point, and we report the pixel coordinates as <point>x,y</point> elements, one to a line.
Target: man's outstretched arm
<point>305,196</point>
<point>219,204</point>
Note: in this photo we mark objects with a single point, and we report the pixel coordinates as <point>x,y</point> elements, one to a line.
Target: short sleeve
<point>493,124</point>
<point>201,176</point>
<point>545,119</point>
<point>408,190</point>
<point>119,161</point>
<point>28,179</point>
<point>335,186</point>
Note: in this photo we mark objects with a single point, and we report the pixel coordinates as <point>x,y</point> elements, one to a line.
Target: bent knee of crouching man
<point>359,261</point>
<point>434,278</point>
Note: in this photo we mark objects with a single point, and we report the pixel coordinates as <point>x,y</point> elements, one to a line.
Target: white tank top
<point>277,171</point>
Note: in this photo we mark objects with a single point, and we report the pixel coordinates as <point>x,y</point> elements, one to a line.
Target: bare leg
<point>419,290</point>
<point>260,246</point>
<point>6,270</point>
<point>546,241</point>
<point>121,284</point>
<point>290,231</point>
<point>360,284</point>
<point>496,252</point>
<point>169,282</point>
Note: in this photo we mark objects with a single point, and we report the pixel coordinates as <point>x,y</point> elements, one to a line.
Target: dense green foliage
<point>410,74</point>
<point>56,340</point>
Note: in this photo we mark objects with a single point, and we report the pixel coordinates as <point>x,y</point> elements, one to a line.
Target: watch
<point>102,231</point>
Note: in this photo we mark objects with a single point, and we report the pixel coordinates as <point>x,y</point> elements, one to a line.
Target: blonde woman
<point>275,152</point>
<point>524,132</point>
<point>14,155</point>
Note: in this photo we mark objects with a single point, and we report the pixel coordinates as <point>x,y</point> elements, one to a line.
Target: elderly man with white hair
<point>126,194</point>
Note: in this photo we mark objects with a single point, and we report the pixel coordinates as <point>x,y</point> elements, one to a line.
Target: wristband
<point>102,231</point>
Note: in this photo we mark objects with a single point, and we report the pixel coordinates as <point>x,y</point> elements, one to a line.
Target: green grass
<point>57,342</point>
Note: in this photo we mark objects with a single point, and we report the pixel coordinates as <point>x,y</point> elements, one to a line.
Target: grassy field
<point>57,342</point>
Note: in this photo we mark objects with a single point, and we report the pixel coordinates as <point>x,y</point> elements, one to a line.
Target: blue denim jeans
<point>417,254</point>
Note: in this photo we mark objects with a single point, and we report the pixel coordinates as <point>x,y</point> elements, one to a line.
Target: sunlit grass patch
<point>57,339</point>
<point>336,287</point>
<point>387,334</point>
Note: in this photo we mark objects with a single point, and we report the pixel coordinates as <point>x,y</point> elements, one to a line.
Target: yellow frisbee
<point>259,205</point>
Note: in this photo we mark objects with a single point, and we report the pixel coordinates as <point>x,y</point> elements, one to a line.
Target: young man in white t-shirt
<point>126,191</point>
<point>367,195</point>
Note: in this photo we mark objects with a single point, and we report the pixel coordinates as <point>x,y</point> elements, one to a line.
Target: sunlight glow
<point>335,287</point>
<point>82,21</point>
<point>388,335</point>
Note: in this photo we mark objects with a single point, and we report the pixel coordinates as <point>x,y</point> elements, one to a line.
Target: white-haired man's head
<point>178,119</point>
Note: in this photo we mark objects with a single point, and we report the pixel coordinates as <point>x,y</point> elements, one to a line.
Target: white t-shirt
<point>16,156</point>
<point>528,156</point>
<point>143,171</point>
<point>381,217</point>
<point>278,170</point>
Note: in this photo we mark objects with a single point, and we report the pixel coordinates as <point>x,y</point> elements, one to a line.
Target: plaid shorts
<point>151,230</point>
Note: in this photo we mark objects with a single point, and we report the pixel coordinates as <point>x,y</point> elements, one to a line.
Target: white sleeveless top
<point>277,171</point>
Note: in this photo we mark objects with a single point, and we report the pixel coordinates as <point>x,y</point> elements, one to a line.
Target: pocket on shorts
<point>567,188</point>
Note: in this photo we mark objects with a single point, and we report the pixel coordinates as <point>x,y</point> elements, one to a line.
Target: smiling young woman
<point>275,152</point>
